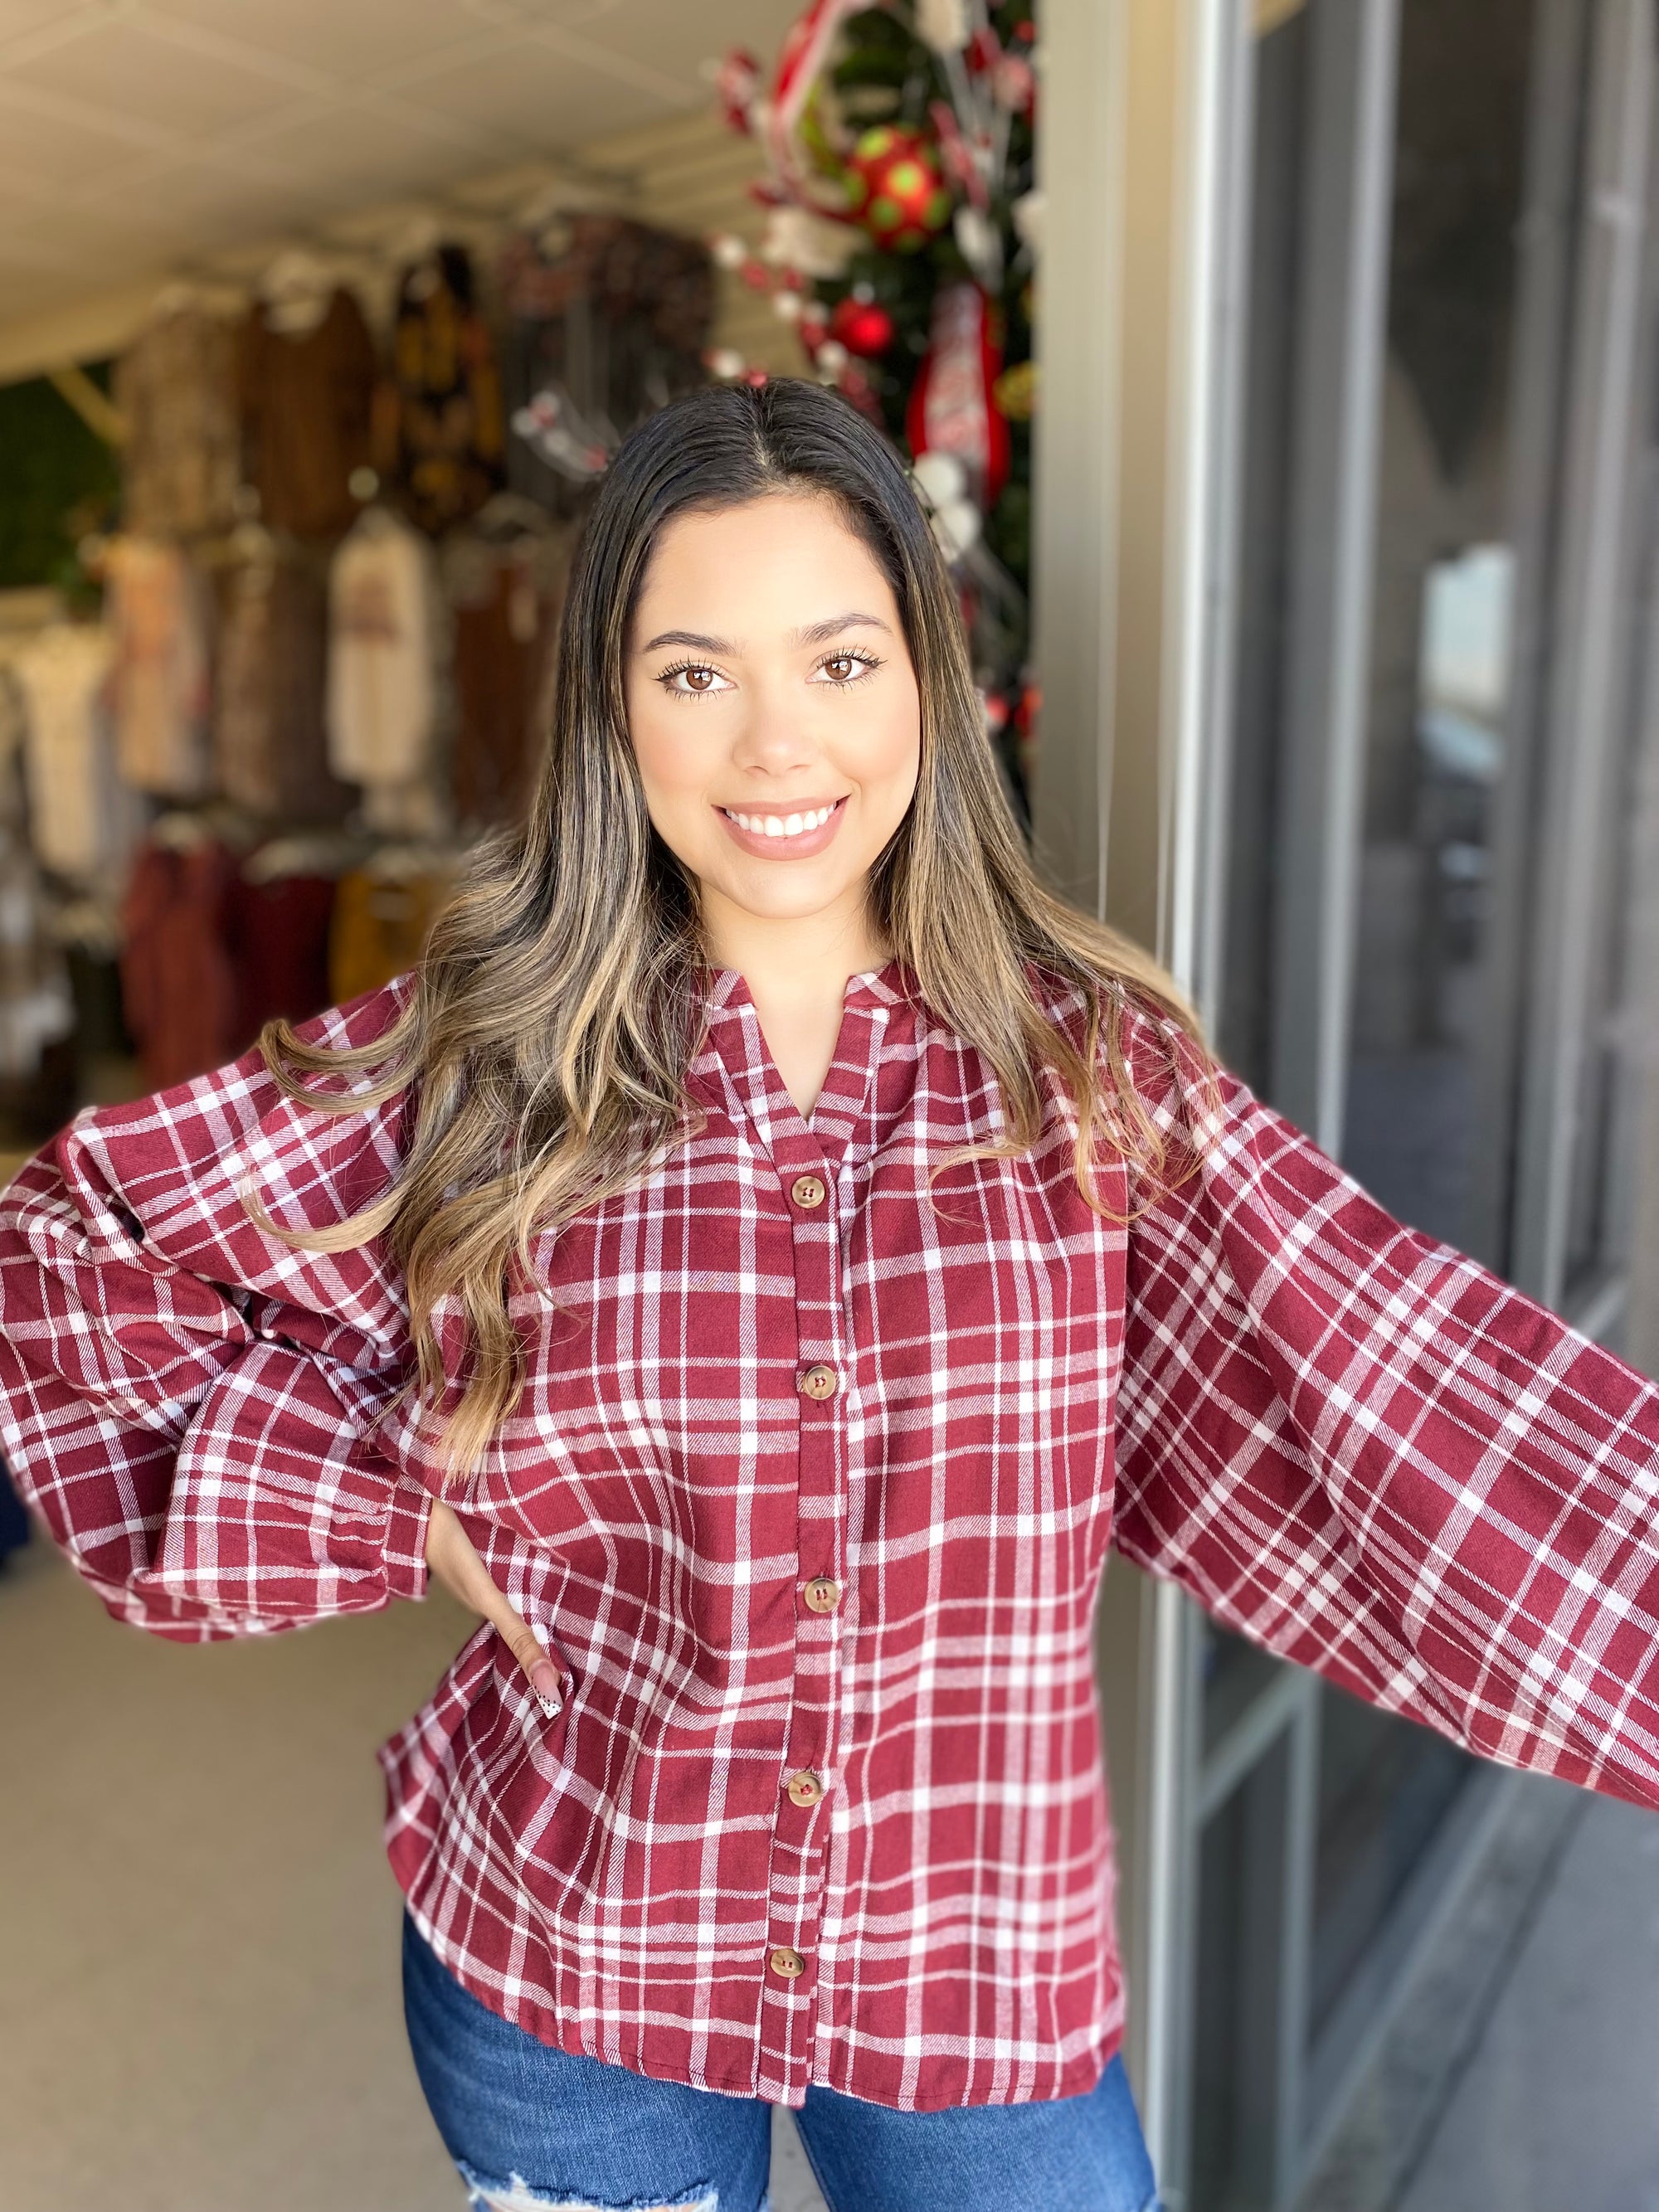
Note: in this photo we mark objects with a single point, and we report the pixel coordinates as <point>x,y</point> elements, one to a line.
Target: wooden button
<point>822,1595</point>
<point>805,1787</point>
<point>820,1381</point>
<point>807,1190</point>
<point>787,1963</point>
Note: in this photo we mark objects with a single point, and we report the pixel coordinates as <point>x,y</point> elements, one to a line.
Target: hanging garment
<point>607,325</point>
<point>382,913</point>
<point>505,581</point>
<point>158,613</point>
<point>175,387</point>
<point>178,988</point>
<point>269,730</point>
<point>35,1005</point>
<point>306,400</point>
<point>384,638</point>
<point>277,935</point>
<point>13,732</point>
<point>83,821</point>
<point>438,412</point>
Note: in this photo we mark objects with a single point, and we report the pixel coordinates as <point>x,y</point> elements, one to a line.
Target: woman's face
<point>773,707</point>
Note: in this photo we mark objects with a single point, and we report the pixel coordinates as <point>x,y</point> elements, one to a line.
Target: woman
<point>760,1262</point>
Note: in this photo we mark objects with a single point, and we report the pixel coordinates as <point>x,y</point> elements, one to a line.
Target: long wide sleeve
<point>1357,1447</point>
<point>191,1405</point>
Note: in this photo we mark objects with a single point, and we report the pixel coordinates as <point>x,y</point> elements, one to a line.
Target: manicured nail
<point>544,1681</point>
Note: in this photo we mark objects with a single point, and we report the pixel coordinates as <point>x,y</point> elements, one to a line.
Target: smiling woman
<point>762,1272</point>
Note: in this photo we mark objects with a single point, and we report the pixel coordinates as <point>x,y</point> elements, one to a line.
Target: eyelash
<point>665,677</point>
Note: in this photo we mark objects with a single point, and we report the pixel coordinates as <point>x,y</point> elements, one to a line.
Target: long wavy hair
<point>546,1036</point>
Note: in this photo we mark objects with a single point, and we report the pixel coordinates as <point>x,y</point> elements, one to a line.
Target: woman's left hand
<point>452,1559</point>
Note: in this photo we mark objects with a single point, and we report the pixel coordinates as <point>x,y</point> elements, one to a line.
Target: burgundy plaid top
<point>809,1497</point>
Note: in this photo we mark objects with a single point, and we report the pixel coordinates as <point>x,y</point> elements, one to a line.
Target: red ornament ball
<point>898,193</point>
<point>864,327</point>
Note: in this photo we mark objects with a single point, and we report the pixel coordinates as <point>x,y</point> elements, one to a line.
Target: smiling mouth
<point>800,822</point>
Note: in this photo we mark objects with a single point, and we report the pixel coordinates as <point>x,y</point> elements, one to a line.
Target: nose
<point>772,738</point>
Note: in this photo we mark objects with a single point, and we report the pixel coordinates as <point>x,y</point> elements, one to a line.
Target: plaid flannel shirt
<point>809,1496</point>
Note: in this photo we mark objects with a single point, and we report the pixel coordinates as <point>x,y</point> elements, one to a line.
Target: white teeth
<point>774,825</point>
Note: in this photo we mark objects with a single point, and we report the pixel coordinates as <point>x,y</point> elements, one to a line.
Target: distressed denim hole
<point>515,2194</point>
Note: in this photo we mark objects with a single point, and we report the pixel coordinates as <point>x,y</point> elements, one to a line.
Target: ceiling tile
<point>211,203</point>
<point>353,154</point>
<point>19,17</point>
<point>675,39</point>
<point>103,237</point>
<point>60,152</point>
<point>123,67</point>
<point>544,99</point>
<point>349,39</point>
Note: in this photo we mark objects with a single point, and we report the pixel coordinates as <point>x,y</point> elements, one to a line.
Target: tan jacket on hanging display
<point>175,387</point>
<point>158,613</point>
<point>269,738</point>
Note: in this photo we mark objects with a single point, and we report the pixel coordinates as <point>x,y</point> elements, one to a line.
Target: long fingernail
<point>544,1681</point>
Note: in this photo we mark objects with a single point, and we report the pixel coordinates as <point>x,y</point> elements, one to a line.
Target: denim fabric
<point>531,2127</point>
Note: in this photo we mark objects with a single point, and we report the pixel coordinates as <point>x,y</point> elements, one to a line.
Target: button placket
<point>801,1823</point>
<point>807,1157</point>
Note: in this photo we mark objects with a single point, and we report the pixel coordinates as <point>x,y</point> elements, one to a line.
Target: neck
<point>802,958</point>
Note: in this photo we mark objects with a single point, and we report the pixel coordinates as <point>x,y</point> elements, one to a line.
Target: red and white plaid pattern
<point>1352,1444</point>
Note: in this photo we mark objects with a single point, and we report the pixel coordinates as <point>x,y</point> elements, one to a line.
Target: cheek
<point>672,756</point>
<point>888,744</point>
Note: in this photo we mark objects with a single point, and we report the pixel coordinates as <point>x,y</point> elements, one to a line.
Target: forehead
<point>777,563</point>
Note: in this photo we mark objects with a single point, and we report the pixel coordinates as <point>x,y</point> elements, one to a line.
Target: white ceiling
<point>140,139</point>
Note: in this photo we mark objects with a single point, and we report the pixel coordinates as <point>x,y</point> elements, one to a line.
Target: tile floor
<point>198,2002</point>
<point>199,2006</point>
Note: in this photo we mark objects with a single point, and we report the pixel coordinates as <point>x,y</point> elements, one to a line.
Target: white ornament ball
<point>941,476</point>
<point>977,242</point>
<point>1028,213</point>
<point>943,24</point>
<point>832,356</point>
<point>728,250</point>
<point>727,362</point>
<point>955,527</point>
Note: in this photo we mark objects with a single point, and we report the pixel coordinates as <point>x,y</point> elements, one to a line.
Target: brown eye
<point>691,679</point>
<point>841,666</point>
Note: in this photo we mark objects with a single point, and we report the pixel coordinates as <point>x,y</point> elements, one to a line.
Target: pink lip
<point>784,848</point>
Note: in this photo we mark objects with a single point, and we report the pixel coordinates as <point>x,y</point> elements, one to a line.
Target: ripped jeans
<point>534,2129</point>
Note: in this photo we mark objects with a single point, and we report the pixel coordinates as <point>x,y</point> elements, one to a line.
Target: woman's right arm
<point>188,1403</point>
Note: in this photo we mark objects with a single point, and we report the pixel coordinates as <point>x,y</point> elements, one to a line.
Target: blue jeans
<point>530,2128</point>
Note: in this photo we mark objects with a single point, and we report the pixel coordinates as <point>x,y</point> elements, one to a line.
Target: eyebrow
<point>814,633</point>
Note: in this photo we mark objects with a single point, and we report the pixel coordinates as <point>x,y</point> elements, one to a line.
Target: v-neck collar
<point>735,1033</point>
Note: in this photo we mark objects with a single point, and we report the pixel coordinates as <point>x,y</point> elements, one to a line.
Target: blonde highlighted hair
<point>546,1038</point>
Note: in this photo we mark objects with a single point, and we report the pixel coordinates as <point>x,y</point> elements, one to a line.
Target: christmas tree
<point>901,241</point>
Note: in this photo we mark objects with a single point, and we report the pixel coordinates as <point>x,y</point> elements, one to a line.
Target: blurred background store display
<point>280,577</point>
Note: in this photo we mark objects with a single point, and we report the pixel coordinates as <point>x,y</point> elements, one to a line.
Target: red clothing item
<point>809,1497</point>
<point>178,988</point>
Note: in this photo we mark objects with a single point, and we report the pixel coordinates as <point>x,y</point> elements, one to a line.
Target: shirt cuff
<point>405,1539</point>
